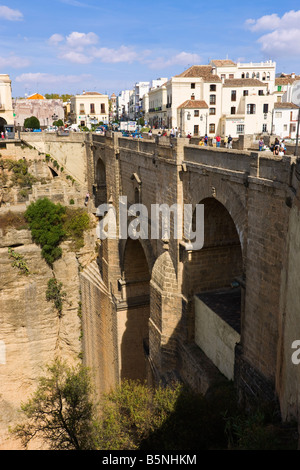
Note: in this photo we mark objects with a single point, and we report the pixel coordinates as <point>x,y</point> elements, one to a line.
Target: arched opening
<point>101,195</point>
<point>216,280</point>
<point>2,124</point>
<point>133,317</point>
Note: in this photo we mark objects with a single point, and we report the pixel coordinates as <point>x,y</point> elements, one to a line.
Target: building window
<point>279,88</point>
<point>260,92</point>
<point>240,128</point>
<point>212,99</point>
<point>223,76</point>
<point>285,127</point>
<point>212,128</point>
<point>251,108</point>
<point>102,108</point>
<point>212,110</point>
<point>193,85</point>
<point>265,108</point>
<point>247,75</point>
<point>232,110</point>
<point>196,130</point>
<point>213,87</point>
<point>92,108</point>
<point>193,97</point>
<point>264,127</point>
<point>233,95</point>
<point>196,112</point>
<point>245,92</point>
<point>81,109</point>
<point>231,75</point>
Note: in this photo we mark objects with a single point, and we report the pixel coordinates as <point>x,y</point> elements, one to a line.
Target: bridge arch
<point>214,282</point>
<point>100,177</point>
<point>2,124</point>
<point>134,312</point>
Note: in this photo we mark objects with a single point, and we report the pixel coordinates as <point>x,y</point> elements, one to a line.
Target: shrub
<point>19,261</point>
<point>76,221</point>
<point>46,224</point>
<point>54,292</point>
<point>32,123</point>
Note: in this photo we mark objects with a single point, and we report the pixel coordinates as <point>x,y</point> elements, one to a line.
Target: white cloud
<point>182,58</point>
<point>123,54</point>
<point>7,13</point>
<point>284,38</point>
<point>50,79</point>
<point>14,61</point>
<point>265,23</point>
<point>76,57</point>
<point>279,44</point>
<point>80,40</point>
<point>55,39</point>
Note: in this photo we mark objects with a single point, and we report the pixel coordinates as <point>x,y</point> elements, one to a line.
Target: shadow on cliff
<point>197,422</point>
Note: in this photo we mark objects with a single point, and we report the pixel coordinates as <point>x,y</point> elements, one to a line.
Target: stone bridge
<point>155,309</point>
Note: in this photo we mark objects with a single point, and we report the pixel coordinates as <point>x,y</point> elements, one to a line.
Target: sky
<point>71,46</point>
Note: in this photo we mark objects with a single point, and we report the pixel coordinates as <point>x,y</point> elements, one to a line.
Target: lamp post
<point>201,119</point>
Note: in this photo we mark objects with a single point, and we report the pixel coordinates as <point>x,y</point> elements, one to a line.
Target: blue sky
<point>67,46</point>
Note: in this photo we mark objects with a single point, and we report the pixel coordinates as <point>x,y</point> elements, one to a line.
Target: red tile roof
<point>199,104</point>
<point>200,71</point>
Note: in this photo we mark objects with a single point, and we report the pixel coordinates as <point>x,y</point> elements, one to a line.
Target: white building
<point>285,120</point>
<point>246,107</point>
<point>123,104</point>
<point>6,107</point>
<point>89,108</point>
<point>223,98</point>
<point>284,85</point>
<point>135,101</point>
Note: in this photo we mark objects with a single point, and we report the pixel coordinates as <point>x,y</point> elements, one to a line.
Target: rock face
<point>31,332</point>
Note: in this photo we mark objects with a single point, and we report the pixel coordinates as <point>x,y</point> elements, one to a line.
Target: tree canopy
<point>32,123</point>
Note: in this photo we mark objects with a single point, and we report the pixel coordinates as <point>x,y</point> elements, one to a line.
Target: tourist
<point>229,142</point>
<point>205,139</point>
<point>87,197</point>
<point>260,144</point>
<point>218,140</point>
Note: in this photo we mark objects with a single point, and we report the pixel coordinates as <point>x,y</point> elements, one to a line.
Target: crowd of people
<point>278,147</point>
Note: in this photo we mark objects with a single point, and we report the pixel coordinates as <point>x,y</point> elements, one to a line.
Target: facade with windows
<point>285,120</point>
<point>89,108</point>
<point>246,107</point>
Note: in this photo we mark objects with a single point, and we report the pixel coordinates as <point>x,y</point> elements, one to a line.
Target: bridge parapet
<point>255,164</point>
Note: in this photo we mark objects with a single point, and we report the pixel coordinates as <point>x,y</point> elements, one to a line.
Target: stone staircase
<point>58,190</point>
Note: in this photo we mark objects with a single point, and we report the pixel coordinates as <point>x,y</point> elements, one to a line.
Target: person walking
<point>205,139</point>
<point>218,140</point>
<point>87,197</point>
<point>229,142</point>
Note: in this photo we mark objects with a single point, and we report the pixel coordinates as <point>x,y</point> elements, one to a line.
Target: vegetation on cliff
<point>52,223</point>
<point>137,417</point>
<point>46,224</point>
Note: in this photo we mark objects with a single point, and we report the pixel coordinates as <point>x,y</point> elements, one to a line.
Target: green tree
<point>60,412</point>
<point>46,224</point>
<point>58,123</point>
<point>32,123</point>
